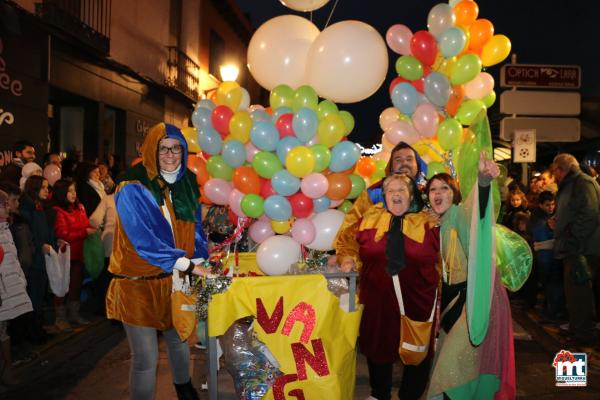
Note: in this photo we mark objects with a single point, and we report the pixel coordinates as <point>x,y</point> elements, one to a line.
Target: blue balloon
<point>205,103</point>
<point>234,153</point>
<point>285,145</point>
<point>259,115</point>
<point>404,98</point>
<point>305,124</point>
<point>343,156</point>
<point>452,42</point>
<point>264,135</point>
<point>285,183</point>
<point>278,208</point>
<point>279,112</point>
<point>437,89</point>
<point>209,140</point>
<point>321,204</point>
<point>201,118</point>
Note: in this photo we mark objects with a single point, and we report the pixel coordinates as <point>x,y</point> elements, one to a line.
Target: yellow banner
<point>302,324</point>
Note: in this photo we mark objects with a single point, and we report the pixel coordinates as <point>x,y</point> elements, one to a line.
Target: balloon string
<point>243,223</point>
<point>446,157</point>
<point>331,13</point>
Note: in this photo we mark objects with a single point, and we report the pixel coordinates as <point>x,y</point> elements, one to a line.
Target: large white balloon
<point>304,5</point>
<point>347,62</point>
<point>275,255</point>
<point>278,51</point>
<point>327,224</point>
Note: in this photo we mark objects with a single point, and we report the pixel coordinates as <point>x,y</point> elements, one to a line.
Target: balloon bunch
<point>441,87</point>
<point>288,166</point>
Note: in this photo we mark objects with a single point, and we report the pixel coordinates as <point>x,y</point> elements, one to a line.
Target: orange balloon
<point>481,31</point>
<point>466,12</point>
<point>455,100</point>
<point>339,186</point>
<point>200,170</point>
<point>246,180</point>
<point>136,161</point>
<point>366,167</point>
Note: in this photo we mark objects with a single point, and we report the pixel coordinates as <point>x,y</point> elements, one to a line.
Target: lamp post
<point>229,72</point>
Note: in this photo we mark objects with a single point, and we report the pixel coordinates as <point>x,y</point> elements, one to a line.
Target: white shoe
<point>564,327</point>
<point>371,398</point>
<point>200,346</point>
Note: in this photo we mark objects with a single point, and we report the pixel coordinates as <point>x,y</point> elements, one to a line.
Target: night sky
<point>541,32</point>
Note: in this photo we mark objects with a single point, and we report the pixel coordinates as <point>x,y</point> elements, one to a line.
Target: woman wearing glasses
<point>158,234</point>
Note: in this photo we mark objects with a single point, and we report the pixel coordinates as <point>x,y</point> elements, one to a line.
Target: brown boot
<point>73,314</point>
<point>61,319</point>
<point>7,376</point>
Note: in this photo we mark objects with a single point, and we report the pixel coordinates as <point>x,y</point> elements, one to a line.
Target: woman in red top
<point>72,226</point>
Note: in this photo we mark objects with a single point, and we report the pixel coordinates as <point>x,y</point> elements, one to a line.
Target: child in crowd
<point>549,268</point>
<point>517,203</point>
<point>72,226</point>
<point>13,293</point>
<point>40,219</point>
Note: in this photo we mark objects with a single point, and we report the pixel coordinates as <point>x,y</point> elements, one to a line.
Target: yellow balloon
<point>331,130</point>
<point>445,67</point>
<point>495,50</point>
<point>439,59</point>
<point>191,137</point>
<point>429,149</point>
<point>300,161</point>
<point>281,227</point>
<point>240,125</point>
<point>229,94</point>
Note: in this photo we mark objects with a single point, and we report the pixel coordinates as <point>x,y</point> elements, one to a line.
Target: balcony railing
<point>183,73</point>
<point>87,21</point>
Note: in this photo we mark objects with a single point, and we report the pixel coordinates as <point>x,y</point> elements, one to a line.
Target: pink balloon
<point>314,185</point>
<point>401,131</point>
<point>335,203</point>
<point>251,151</point>
<point>480,86</point>
<point>52,174</point>
<point>235,200</point>
<point>303,231</point>
<point>260,231</point>
<point>284,125</point>
<point>387,117</point>
<point>425,120</point>
<point>218,190</point>
<point>398,39</point>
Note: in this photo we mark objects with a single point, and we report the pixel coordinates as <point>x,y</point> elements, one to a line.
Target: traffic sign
<point>548,76</point>
<point>529,102</point>
<point>546,129</point>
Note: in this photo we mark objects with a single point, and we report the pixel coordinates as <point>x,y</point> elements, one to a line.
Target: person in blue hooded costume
<point>158,234</point>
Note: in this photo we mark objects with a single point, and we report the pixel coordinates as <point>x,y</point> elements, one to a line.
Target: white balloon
<point>245,102</point>
<point>327,224</point>
<point>347,62</point>
<point>276,254</point>
<point>304,5</point>
<point>278,51</point>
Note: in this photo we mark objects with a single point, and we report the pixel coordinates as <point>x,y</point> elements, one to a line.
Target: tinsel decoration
<point>208,288</point>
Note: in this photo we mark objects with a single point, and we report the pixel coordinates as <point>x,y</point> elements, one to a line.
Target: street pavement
<point>92,363</point>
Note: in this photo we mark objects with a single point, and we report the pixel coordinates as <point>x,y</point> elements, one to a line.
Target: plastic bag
<point>248,361</point>
<point>93,255</point>
<point>58,268</point>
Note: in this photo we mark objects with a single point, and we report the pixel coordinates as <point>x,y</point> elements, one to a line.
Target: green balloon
<point>252,205</point>
<point>490,99</point>
<point>305,96</point>
<point>218,168</point>
<point>376,177</point>
<point>449,134</point>
<point>345,206</point>
<point>469,110</point>
<point>409,68</point>
<point>281,96</point>
<point>358,186</point>
<point>348,121</point>
<point>325,108</point>
<point>322,157</point>
<point>465,69</point>
<point>434,168</point>
<point>266,164</point>
<point>381,165</point>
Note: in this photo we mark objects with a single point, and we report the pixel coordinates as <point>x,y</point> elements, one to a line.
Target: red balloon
<point>284,125</point>
<point>302,206</point>
<point>396,81</point>
<point>424,47</point>
<point>419,84</point>
<point>232,217</point>
<point>266,189</point>
<point>220,119</point>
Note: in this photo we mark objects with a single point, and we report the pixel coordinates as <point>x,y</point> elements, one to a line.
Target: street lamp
<point>229,72</point>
